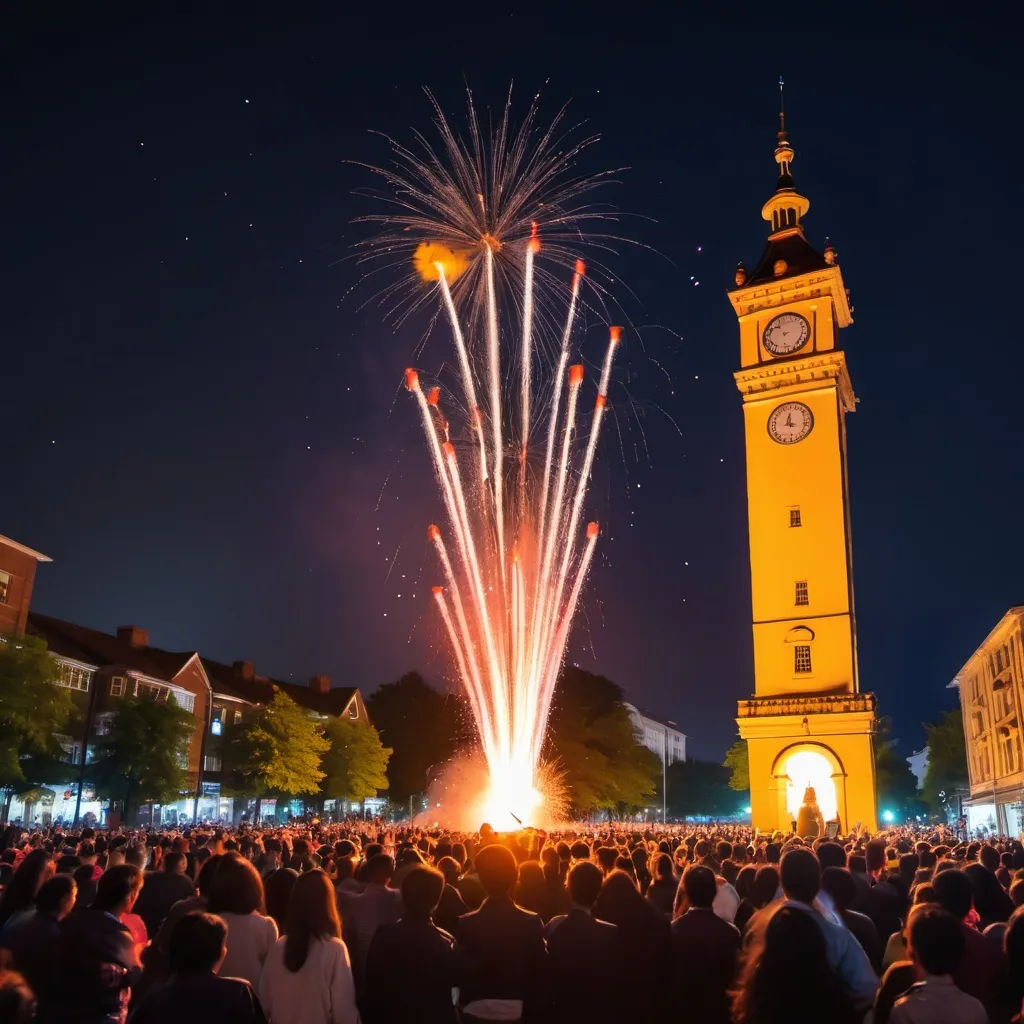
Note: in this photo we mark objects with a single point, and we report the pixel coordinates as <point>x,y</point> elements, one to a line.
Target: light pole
<point>664,775</point>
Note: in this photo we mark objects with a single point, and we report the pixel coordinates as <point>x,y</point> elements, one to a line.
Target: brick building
<point>17,578</point>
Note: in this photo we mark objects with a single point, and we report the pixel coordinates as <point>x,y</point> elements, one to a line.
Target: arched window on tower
<point>801,638</point>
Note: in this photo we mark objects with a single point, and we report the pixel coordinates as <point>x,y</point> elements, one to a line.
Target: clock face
<point>786,333</point>
<point>790,422</point>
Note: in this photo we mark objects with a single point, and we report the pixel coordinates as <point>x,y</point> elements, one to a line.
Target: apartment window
<point>184,700</point>
<point>74,678</point>
<point>801,592</point>
<point>802,658</point>
<point>118,685</point>
<point>794,517</point>
<point>216,726</point>
<point>238,716</point>
<point>157,693</point>
<point>212,763</point>
<point>5,586</point>
<point>74,753</point>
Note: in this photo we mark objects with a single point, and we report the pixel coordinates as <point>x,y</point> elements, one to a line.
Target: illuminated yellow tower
<point>807,723</point>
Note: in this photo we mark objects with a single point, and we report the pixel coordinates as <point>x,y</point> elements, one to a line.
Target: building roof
<point>229,681</point>
<point>650,716</point>
<point>799,255</point>
<point>37,555</point>
<point>1014,612</point>
<point>68,640</point>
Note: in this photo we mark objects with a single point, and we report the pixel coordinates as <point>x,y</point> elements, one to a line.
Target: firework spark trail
<point>494,219</point>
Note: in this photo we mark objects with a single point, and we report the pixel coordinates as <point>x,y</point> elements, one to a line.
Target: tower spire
<point>787,206</point>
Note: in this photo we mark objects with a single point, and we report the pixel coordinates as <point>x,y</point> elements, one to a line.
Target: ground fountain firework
<point>494,223</point>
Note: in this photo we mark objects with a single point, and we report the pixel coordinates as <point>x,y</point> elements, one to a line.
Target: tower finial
<point>782,110</point>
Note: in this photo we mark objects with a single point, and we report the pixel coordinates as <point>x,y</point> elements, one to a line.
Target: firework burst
<point>494,223</point>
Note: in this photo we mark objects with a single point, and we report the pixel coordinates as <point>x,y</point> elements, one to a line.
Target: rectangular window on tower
<point>802,658</point>
<point>794,516</point>
<point>801,592</point>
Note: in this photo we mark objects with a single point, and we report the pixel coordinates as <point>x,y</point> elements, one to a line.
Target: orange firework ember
<point>499,216</point>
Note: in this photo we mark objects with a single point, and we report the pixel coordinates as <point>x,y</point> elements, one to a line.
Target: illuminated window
<point>216,727</point>
<point>118,684</point>
<point>801,592</point>
<point>74,678</point>
<point>802,658</point>
<point>5,586</point>
<point>211,763</point>
<point>794,517</point>
<point>184,700</point>
<point>238,716</point>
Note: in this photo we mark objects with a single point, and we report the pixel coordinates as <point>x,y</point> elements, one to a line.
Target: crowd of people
<point>314,924</point>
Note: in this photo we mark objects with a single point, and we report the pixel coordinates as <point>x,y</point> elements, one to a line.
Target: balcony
<point>764,707</point>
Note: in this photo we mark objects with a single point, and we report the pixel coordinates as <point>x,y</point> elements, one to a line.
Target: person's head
<point>800,875</point>
<point>839,884</point>
<point>17,1001</point>
<point>989,857</point>
<point>606,858</point>
<point>197,944</point>
<point>663,868</point>
<point>137,854</point>
<point>619,899</point>
<point>496,866</point>
<point>789,968</point>
<point>578,851</point>
<point>702,849</point>
<point>773,853</point>
<point>205,877</point>
<point>450,868</point>
<point>700,886</point>
<point>831,855</point>
<point>236,887</point>
<point>87,852</point>
<point>277,889</point>
<point>312,914</point>
<point>118,889</point>
<point>421,892</point>
<point>1017,892</point>
<point>954,892</point>
<point>745,881</point>
<point>584,883</point>
<point>766,885</point>
<point>175,863</point>
<point>379,869</point>
<point>935,940</point>
<point>874,855</point>
<point>28,878</point>
<point>729,871</point>
<point>56,896</point>
<point>1013,947</point>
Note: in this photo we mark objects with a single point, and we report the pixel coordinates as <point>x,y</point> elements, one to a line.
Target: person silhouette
<point>809,821</point>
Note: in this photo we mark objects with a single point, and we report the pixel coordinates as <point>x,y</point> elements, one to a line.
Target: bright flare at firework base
<point>461,797</point>
<point>489,214</point>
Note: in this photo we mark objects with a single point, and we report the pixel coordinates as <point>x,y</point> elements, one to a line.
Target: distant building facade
<point>991,686</point>
<point>918,762</point>
<point>658,735</point>
<point>17,580</point>
<point>102,668</point>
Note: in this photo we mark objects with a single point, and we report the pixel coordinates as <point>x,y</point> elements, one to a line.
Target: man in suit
<point>500,951</point>
<point>580,948</point>
<point>704,951</point>
<point>162,889</point>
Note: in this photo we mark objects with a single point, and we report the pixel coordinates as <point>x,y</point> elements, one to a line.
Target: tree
<point>700,789</point>
<point>420,725</point>
<point>356,764</point>
<point>895,783</point>
<point>280,748</point>
<point>591,737</point>
<point>34,710</point>
<point>737,760</point>
<point>947,760</point>
<point>144,755</point>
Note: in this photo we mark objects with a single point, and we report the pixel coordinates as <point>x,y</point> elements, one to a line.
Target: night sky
<point>209,436</point>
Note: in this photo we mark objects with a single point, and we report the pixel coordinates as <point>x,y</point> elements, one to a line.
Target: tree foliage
<point>279,749</point>
<point>419,724</point>
<point>591,737</point>
<point>144,755</point>
<point>700,789</point>
<point>947,759</point>
<point>737,760</point>
<point>895,782</point>
<point>33,710</point>
<point>355,765</point>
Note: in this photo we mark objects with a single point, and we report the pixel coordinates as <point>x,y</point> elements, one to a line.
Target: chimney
<point>245,669</point>
<point>320,684</point>
<point>133,636</point>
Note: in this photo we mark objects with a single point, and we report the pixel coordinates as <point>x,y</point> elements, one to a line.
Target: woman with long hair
<point>763,889</point>
<point>787,975</point>
<point>661,893</point>
<point>19,896</point>
<point>236,897</point>
<point>278,889</point>
<point>307,978</point>
<point>646,942</point>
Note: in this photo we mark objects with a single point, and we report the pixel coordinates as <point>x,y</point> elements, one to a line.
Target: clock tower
<point>807,722</point>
